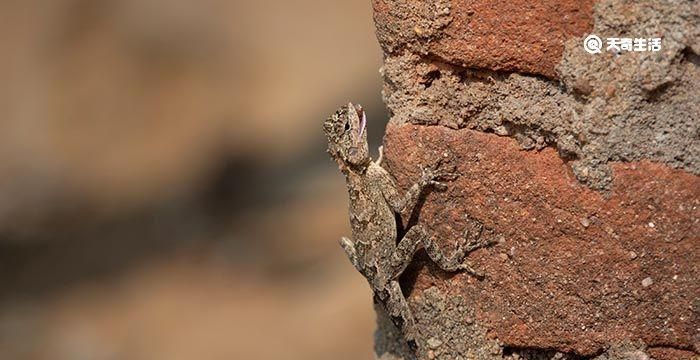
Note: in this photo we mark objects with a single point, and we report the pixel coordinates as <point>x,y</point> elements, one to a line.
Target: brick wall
<point>583,167</point>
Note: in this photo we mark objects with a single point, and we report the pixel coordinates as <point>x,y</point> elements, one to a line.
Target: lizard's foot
<point>466,267</point>
<point>435,175</point>
<point>477,242</point>
<point>472,238</point>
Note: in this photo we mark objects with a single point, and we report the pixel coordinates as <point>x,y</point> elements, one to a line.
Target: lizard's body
<point>375,249</point>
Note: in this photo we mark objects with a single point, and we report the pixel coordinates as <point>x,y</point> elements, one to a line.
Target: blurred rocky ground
<point>164,192</point>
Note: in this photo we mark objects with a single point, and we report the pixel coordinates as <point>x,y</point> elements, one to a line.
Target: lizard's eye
<point>347,126</point>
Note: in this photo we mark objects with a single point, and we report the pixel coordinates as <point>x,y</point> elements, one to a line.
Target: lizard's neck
<point>353,170</point>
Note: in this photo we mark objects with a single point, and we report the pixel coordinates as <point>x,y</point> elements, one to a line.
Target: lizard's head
<point>347,136</point>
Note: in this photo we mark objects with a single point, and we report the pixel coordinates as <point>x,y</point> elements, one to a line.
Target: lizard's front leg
<point>380,157</point>
<point>401,204</point>
<point>350,251</point>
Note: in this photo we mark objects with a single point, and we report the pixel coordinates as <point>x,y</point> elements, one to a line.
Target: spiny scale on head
<point>332,125</point>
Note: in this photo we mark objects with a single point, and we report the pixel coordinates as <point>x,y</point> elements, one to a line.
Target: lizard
<point>374,248</point>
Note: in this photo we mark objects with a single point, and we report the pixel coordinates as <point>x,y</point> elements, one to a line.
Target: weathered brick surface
<point>597,222</point>
<point>664,353</point>
<point>631,106</point>
<point>575,270</point>
<point>522,35</point>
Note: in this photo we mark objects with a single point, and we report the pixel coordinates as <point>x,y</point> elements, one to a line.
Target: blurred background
<point>164,190</point>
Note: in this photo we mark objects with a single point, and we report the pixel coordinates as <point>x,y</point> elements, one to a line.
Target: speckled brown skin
<point>374,203</point>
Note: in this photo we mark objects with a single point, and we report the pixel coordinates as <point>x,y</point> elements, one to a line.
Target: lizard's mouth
<point>363,122</point>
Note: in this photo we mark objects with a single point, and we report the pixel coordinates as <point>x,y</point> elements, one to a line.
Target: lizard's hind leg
<point>405,250</point>
<point>455,261</point>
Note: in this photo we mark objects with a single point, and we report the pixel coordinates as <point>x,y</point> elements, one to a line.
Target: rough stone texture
<point>568,268</point>
<point>597,223</point>
<point>665,353</point>
<point>521,35</point>
<point>605,107</point>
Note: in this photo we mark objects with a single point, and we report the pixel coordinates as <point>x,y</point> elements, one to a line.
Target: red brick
<point>520,35</point>
<point>575,259</point>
